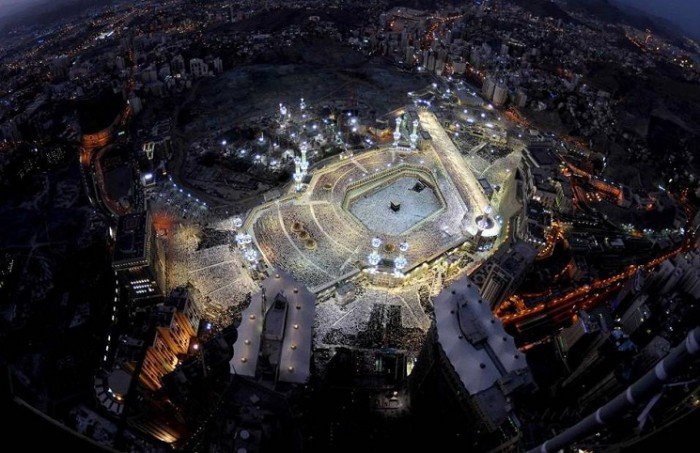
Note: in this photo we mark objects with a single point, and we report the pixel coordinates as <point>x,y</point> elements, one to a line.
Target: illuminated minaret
<point>298,176</point>
<point>401,262</point>
<point>484,221</point>
<point>251,255</point>
<point>283,111</point>
<point>302,104</point>
<point>237,223</point>
<point>414,135</point>
<point>304,147</point>
<point>397,131</point>
<point>374,257</point>
<point>243,240</point>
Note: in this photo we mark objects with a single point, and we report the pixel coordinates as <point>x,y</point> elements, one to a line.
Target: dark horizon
<point>683,13</point>
<point>349,225</point>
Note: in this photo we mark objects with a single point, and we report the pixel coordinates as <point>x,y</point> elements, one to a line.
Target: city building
<point>176,325</point>
<point>138,258</point>
<point>488,88</point>
<point>470,364</point>
<point>198,68</point>
<point>500,94</point>
<point>274,337</point>
<point>506,271</point>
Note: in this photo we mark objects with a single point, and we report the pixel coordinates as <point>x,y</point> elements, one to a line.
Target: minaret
<point>414,135</point>
<point>397,131</point>
<point>298,176</point>
<point>251,255</point>
<point>401,262</point>
<point>483,221</point>
<point>243,240</point>
<point>304,147</point>
<point>297,165</point>
<point>374,257</point>
<point>237,223</point>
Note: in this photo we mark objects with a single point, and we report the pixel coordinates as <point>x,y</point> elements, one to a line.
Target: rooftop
<point>131,243</point>
<point>279,292</point>
<point>474,342</point>
<point>543,156</point>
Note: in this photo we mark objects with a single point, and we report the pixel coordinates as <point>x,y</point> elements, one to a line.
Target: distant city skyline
<point>321,225</point>
<point>684,13</point>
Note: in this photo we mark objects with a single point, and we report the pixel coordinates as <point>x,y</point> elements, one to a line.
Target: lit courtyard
<point>395,208</point>
<point>322,235</point>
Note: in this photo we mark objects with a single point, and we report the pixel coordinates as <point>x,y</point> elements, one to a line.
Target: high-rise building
<point>218,65</point>
<point>439,66</point>
<point>488,87</point>
<point>636,315</point>
<point>177,65</point>
<point>500,94</point>
<point>470,365</point>
<point>409,55</point>
<point>404,38</point>
<point>426,56</point>
<point>198,68</point>
<point>274,337</point>
<point>597,350</point>
<point>431,63</point>
<point>577,341</point>
<point>508,268</point>
<point>176,325</point>
<point>139,259</point>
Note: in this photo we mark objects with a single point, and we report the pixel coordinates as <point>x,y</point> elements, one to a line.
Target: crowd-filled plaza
<point>323,234</point>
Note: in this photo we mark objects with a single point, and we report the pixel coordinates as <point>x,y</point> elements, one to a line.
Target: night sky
<point>685,13</point>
